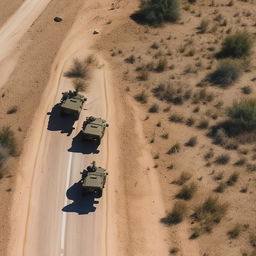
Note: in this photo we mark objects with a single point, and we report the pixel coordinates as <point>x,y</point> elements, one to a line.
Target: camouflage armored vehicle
<point>72,103</point>
<point>94,128</point>
<point>93,180</point>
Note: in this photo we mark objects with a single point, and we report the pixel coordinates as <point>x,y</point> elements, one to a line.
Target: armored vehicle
<point>94,128</point>
<point>72,103</point>
<point>93,180</point>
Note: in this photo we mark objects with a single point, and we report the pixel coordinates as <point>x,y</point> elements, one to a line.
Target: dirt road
<point>56,199</point>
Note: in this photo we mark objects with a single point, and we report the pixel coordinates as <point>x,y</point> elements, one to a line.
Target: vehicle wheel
<point>98,193</point>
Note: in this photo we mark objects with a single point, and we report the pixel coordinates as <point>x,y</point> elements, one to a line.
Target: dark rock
<point>57,19</point>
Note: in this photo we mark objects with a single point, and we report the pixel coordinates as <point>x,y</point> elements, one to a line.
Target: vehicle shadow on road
<point>79,145</point>
<point>57,122</point>
<point>81,204</point>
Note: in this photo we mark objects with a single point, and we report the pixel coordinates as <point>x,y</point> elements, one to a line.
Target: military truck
<point>72,103</point>
<point>93,180</point>
<point>94,128</point>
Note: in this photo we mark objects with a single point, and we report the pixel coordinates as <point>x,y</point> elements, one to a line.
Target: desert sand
<point>41,204</point>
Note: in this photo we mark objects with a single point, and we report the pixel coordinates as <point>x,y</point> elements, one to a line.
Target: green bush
<point>237,45</point>
<point>242,115</point>
<point>176,215</point>
<point>157,12</point>
<point>227,72</point>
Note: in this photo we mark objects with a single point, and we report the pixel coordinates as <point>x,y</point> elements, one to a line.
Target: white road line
<point>64,216</point>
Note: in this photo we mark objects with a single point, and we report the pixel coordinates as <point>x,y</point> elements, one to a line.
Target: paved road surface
<point>60,221</point>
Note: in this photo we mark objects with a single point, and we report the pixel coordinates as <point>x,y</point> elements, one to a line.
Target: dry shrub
<point>203,124</point>
<point>176,215</point>
<point>141,97</point>
<point>176,118</point>
<point>78,70</point>
<point>222,159</point>
<point>220,188</point>
<point>235,231</point>
<point>227,72</point>
<point>8,141</point>
<point>171,93</point>
<point>233,178</point>
<point>174,149</point>
<point>237,45</point>
<point>130,59</point>
<point>154,108</point>
<point>208,214</point>
<point>187,191</point>
<point>191,142</point>
<point>12,110</point>
<point>79,85</point>
<point>190,121</point>
<point>161,65</point>
<point>203,26</point>
<point>184,177</point>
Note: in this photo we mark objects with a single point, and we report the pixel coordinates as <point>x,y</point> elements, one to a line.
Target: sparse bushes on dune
<point>157,12</point>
